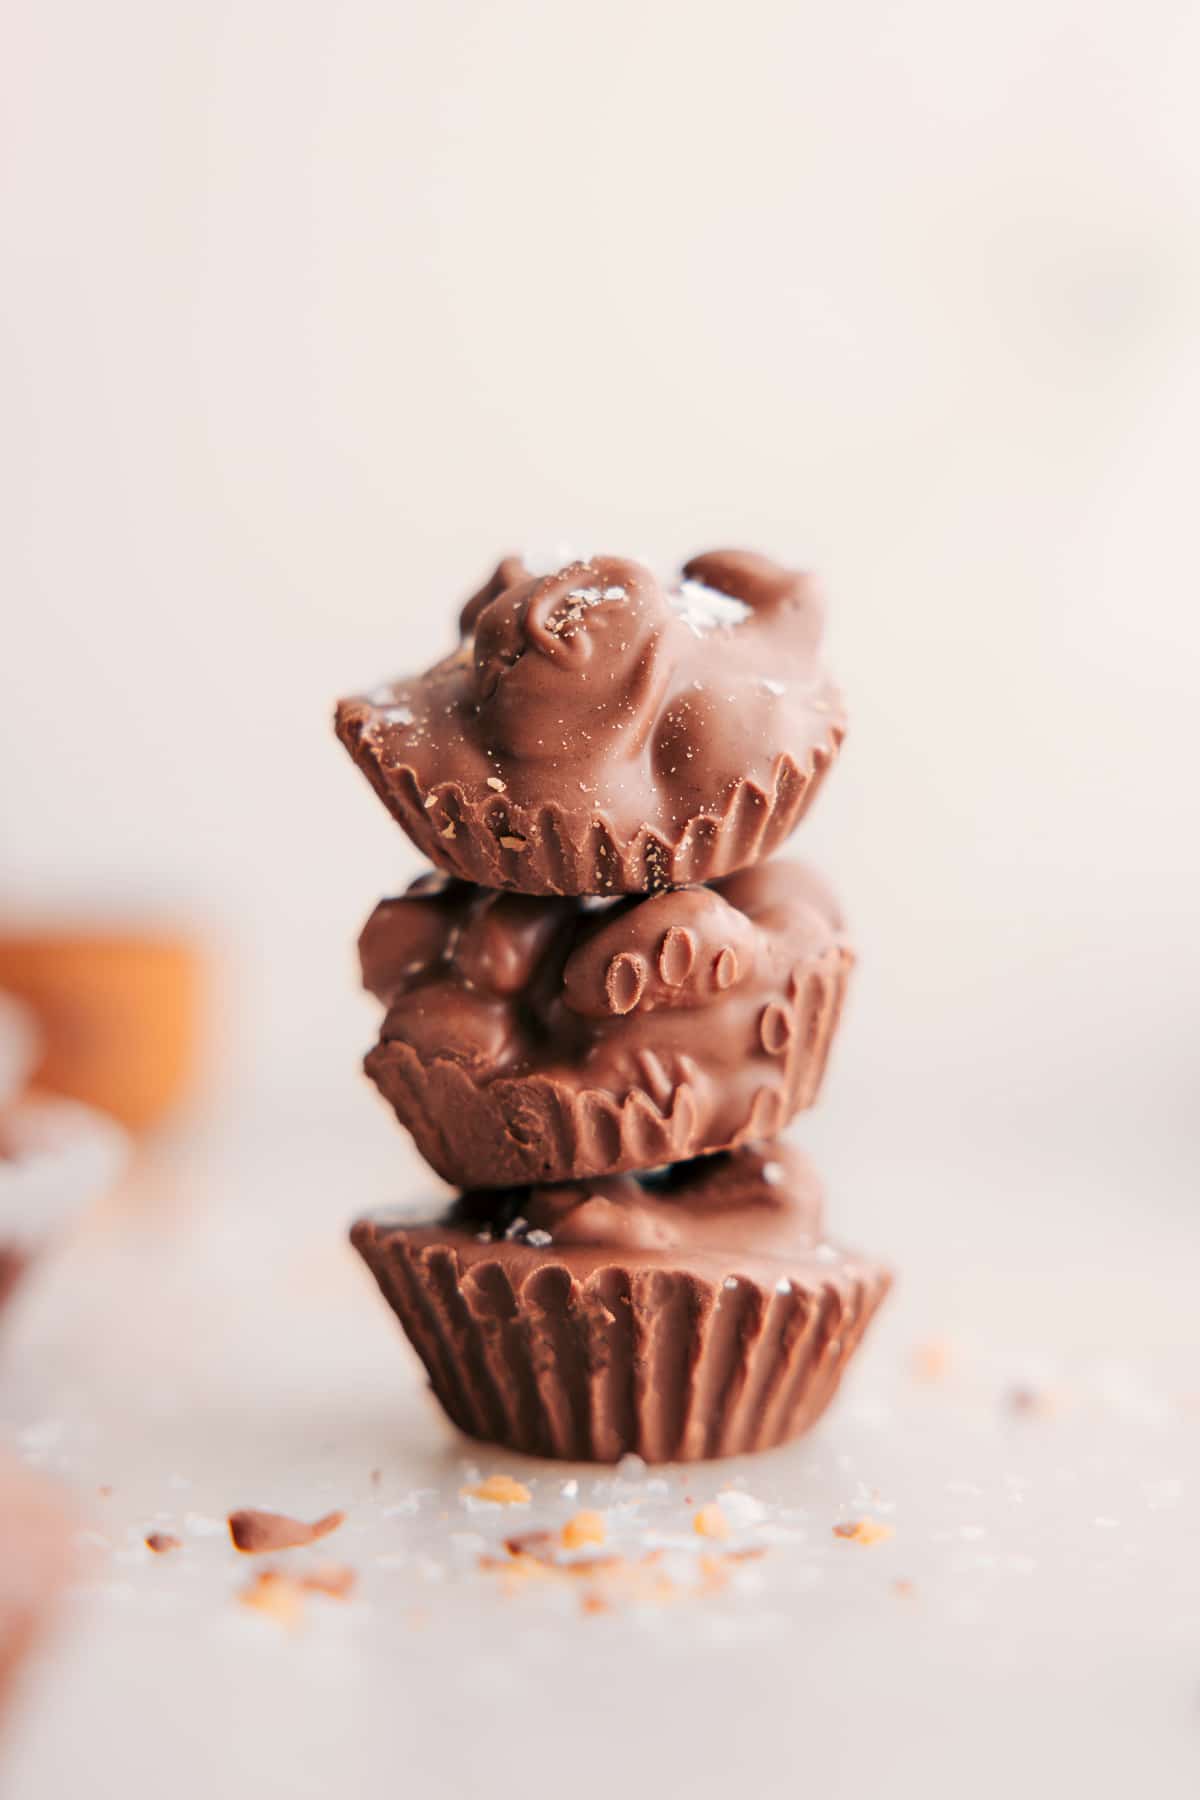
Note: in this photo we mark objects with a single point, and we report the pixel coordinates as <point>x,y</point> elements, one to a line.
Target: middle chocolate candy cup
<point>536,1040</point>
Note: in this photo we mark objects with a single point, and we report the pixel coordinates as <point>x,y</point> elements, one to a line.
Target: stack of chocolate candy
<point>604,1009</point>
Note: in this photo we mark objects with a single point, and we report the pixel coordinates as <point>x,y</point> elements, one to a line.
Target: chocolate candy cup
<point>533,1040</point>
<point>596,733</point>
<point>588,1351</point>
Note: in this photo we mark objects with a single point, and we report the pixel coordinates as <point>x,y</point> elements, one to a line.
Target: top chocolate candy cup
<point>597,733</point>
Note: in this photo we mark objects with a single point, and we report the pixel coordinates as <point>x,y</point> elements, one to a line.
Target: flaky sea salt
<point>703,608</point>
<point>201,1526</point>
<point>741,1509</point>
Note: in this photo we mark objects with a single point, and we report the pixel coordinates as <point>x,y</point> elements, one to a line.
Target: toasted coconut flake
<point>710,1522</point>
<point>864,1531</point>
<point>584,1528</point>
<point>499,1490</point>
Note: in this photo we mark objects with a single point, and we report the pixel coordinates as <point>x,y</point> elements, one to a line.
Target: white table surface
<point>207,1342</point>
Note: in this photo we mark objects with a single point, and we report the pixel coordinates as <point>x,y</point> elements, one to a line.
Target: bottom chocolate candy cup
<point>588,1353</point>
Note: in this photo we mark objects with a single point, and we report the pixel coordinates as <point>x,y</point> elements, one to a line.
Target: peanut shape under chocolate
<point>598,733</point>
<point>547,1040</point>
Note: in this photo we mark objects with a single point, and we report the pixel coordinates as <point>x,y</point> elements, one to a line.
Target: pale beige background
<point>309,310</point>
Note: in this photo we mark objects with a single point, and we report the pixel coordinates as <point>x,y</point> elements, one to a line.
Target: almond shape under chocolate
<point>556,1039</point>
<point>596,732</point>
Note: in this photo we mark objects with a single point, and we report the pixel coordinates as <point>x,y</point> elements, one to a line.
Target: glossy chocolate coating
<point>598,733</point>
<point>729,1335</point>
<point>761,1200</point>
<point>549,1040</point>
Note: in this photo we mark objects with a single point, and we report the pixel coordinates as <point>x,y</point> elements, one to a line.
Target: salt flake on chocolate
<point>704,609</point>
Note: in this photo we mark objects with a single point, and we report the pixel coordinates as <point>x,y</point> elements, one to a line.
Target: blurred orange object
<point>118,1015</point>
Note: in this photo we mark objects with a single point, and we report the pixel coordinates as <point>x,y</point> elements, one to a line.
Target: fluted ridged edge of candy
<point>662,1361</point>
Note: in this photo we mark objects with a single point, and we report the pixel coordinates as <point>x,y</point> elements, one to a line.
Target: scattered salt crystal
<point>38,1438</point>
<point>468,1542</point>
<point>517,1229</point>
<point>741,1509</point>
<point>201,1526</point>
<point>569,1489</point>
<point>772,687</point>
<point>783,1285</point>
<point>616,593</point>
<point>773,1173</point>
<point>538,1239</point>
<point>494,781</point>
<point>631,1466</point>
<point>403,1508</point>
<point>730,1281</point>
<point>771,1533</point>
<point>396,715</point>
